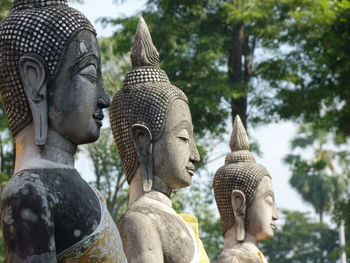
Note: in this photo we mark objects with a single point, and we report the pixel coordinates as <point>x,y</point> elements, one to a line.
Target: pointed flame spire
<point>239,138</point>
<point>144,53</point>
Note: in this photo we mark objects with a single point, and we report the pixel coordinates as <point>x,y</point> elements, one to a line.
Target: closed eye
<point>269,200</point>
<point>184,139</point>
<point>90,73</point>
<point>91,78</point>
<point>183,135</point>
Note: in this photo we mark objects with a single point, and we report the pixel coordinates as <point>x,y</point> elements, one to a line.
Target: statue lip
<point>273,226</point>
<point>190,168</point>
<point>98,117</point>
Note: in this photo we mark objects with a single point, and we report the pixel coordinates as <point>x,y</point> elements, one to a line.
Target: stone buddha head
<point>151,122</point>
<point>50,71</point>
<point>243,192</point>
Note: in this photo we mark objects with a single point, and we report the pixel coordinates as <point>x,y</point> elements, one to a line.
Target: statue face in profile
<point>152,124</point>
<point>153,130</point>
<point>245,199</point>
<point>262,212</point>
<point>176,147</point>
<point>75,106</point>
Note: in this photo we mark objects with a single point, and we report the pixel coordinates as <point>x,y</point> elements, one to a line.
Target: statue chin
<point>84,137</point>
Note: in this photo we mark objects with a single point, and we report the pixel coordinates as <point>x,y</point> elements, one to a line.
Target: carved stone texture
<point>152,127</point>
<point>245,199</point>
<point>144,53</point>
<point>50,79</point>
<point>41,31</point>
<point>240,172</point>
<point>144,98</point>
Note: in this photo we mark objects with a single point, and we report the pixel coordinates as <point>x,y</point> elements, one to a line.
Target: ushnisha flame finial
<point>144,59</point>
<point>239,144</point>
<point>144,53</point>
<point>239,138</point>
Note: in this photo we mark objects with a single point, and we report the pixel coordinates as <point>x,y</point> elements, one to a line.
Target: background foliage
<point>301,240</point>
<point>266,60</point>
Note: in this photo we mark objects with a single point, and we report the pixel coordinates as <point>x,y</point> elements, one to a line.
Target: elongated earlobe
<point>238,201</point>
<point>33,76</point>
<point>142,139</point>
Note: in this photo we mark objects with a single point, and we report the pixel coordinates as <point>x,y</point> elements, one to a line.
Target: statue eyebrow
<point>84,60</point>
<point>270,193</point>
<point>183,124</point>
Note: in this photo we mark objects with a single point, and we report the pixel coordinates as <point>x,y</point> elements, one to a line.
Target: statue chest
<point>160,226</point>
<point>177,240</point>
<point>74,205</point>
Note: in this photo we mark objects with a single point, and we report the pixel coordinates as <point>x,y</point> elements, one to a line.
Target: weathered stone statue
<point>152,126</point>
<point>50,81</point>
<point>244,196</point>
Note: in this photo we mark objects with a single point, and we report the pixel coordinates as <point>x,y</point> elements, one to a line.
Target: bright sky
<point>273,139</point>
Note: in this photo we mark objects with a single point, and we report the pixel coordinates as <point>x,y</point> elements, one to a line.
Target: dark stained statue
<point>152,127</point>
<point>51,84</point>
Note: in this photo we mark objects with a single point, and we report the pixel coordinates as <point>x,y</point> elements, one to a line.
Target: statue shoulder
<point>238,255</point>
<point>142,211</point>
<point>24,184</point>
<point>140,236</point>
<point>135,218</point>
<point>26,212</point>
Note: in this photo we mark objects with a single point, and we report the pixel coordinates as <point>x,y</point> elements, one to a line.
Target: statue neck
<point>136,187</point>
<point>230,238</point>
<point>58,152</point>
<point>160,186</point>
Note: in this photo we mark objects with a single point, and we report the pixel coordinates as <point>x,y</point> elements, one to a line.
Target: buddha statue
<point>51,84</point>
<point>152,127</point>
<point>245,199</point>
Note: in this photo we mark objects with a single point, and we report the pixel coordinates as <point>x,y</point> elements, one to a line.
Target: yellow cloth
<point>262,257</point>
<point>192,222</point>
<point>102,246</point>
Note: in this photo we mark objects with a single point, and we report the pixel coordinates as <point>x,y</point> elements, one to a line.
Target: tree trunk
<point>321,221</point>
<point>2,161</point>
<point>236,74</point>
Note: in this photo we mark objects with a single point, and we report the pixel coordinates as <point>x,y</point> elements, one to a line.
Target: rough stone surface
<point>39,28</point>
<point>242,253</point>
<point>240,172</point>
<point>163,232</point>
<point>50,71</point>
<point>139,103</point>
<point>245,199</point>
<point>152,127</point>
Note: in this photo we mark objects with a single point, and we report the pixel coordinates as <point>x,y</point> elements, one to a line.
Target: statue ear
<point>142,138</point>
<point>239,209</point>
<point>33,76</point>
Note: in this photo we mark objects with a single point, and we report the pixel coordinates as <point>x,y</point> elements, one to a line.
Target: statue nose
<point>274,213</point>
<point>194,157</point>
<point>104,102</point>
